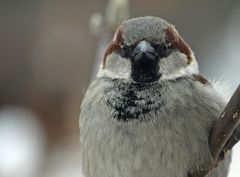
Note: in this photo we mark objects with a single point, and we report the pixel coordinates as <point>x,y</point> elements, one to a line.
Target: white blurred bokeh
<point>22,143</point>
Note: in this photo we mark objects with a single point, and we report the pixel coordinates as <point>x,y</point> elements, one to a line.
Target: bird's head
<point>146,50</point>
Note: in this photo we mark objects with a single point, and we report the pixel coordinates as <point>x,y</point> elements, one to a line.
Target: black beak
<point>144,52</point>
<point>145,60</point>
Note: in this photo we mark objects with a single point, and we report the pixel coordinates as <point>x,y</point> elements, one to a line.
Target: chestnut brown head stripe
<point>177,42</point>
<point>114,45</point>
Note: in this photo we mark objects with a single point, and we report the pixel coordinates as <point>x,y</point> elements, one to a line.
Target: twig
<point>222,138</point>
<point>225,126</point>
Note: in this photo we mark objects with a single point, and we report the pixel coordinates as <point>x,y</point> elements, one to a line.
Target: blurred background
<point>49,52</point>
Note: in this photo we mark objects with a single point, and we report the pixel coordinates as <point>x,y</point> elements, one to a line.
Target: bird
<point>149,112</point>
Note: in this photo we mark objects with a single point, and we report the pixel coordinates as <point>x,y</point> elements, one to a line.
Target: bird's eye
<point>165,47</point>
<point>164,50</point>
<point>125,51</point>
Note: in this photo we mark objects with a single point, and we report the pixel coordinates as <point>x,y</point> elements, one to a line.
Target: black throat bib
<point>129,100</point>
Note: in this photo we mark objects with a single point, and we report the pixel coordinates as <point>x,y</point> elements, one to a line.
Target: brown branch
<point>222,138</point>
<point>224,127</point>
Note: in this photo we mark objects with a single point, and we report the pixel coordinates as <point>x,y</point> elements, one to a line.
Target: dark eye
<point>125,51</point>
<point>164,50</point>
<point>165,47</point>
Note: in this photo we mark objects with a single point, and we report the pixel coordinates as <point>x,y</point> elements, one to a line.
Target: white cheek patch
<point>171,68</point>
<point>116,67</point>
<point>176,66</point>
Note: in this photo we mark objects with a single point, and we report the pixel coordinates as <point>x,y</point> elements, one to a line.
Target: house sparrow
<point>149,112</point>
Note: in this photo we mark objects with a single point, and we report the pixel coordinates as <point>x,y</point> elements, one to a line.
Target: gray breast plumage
<point>128,130</point>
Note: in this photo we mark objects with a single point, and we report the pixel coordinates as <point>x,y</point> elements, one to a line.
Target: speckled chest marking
<point>130,100</point>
